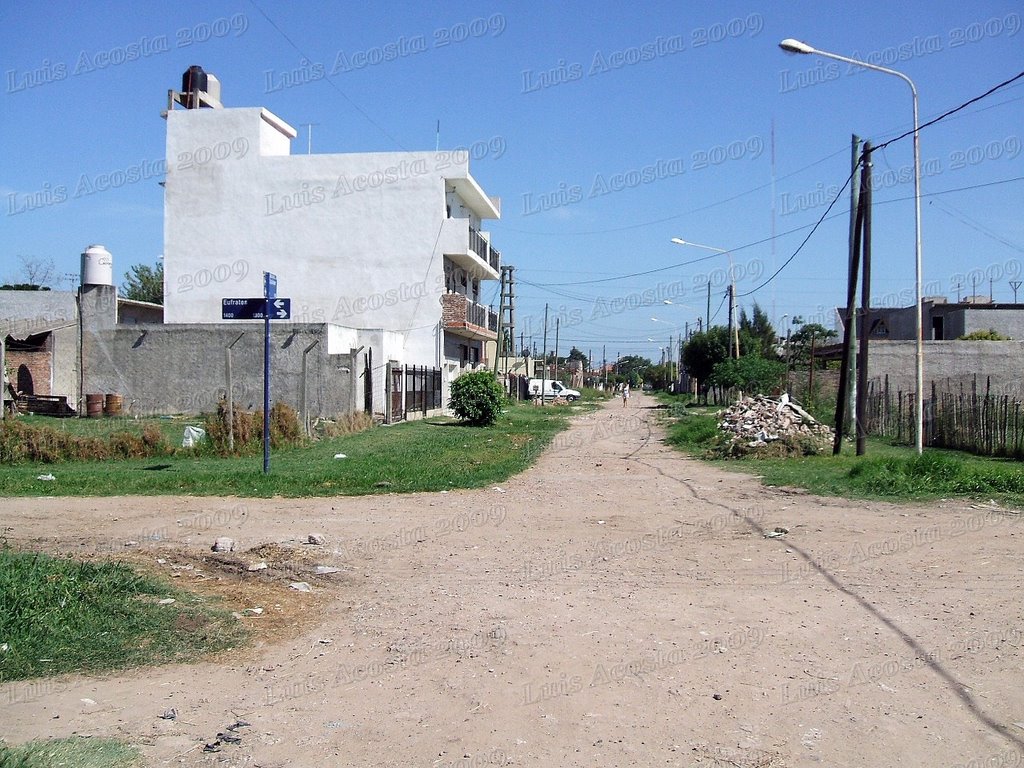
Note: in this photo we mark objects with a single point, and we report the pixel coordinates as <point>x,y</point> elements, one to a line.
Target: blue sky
<point>606,128</point>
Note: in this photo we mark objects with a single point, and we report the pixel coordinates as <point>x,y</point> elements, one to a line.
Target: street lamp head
<point>791,45</point>
<point>678,241</point>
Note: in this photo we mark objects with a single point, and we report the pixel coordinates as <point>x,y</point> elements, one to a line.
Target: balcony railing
<point>483,249</point>
<point>476,314</point>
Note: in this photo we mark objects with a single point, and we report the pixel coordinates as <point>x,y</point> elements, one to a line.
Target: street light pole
<point>795,46</point>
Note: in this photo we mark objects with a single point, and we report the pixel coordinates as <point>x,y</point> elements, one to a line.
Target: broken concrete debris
<point>759,420</point>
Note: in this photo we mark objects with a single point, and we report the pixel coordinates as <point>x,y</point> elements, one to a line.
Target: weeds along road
<point>617,604</point>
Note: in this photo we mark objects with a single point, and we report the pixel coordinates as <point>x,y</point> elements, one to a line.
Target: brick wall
<point>453,309</point>
<point>34,378</point>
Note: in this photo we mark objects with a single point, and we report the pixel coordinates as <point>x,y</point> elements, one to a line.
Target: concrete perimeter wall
<point>949,364</point>
<point>161,369</point>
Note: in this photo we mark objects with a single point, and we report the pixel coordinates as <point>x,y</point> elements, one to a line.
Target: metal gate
<point>397,393</point>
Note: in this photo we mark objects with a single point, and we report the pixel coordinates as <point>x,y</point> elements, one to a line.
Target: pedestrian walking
<point>625,395</point>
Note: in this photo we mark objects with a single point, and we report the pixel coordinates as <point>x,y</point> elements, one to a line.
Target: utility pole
<point>810,372</point>
<point>857,213</point>
<point>1015,284</point>
<point>865,303</point>
<point>707,321</point>
<point>558,322</point>
<point>729,293</point>
<point>604,363</point>
<point>506,318</point>
<point>544,360</point>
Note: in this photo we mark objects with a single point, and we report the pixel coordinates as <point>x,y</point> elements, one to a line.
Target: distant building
<point>948,362</point>
<point>945,321</point>
<point>387,240</point>
<point>383,256</point>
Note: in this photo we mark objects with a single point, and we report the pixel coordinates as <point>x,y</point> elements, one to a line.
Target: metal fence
<point>422,388</point>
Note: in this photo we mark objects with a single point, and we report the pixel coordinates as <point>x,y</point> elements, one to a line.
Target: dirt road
<point>615,605</point>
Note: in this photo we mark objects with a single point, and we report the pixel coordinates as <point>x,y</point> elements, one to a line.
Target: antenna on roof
<point>309,137</point>
<point>437,144</point>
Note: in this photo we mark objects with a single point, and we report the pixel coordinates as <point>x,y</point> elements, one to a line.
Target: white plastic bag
<point>193,436</point>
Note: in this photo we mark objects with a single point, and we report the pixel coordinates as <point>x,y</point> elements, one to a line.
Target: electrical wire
<point>823,217</point>
<point>952,111</point>
<point>328,80</point>
<point>967,221</point>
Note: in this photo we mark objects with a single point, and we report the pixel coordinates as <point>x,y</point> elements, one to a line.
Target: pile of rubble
<point>755,422</point>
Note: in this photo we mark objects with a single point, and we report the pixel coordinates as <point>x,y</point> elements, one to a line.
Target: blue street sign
<point>255,309</point>
<point>270,285</point>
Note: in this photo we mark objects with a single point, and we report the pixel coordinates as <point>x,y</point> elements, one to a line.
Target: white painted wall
<point>355,239</point>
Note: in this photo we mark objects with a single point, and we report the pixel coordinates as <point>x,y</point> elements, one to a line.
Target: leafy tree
<point>704,351</point>
<point>751,373</point>
<point>632,368</point>
<point>760,335</point>
<point>144,283</point>
<point>476,398</point>
<point>800,341</point>
<point>23,287</point>
<point>659,376</point>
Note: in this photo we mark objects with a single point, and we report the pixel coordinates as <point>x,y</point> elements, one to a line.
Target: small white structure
<point>385,241</point>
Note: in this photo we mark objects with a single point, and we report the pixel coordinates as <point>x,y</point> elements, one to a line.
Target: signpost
<point>255,309</point>
<point>266,308</point>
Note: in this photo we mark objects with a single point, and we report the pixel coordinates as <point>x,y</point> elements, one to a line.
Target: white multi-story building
<point>387,242</point>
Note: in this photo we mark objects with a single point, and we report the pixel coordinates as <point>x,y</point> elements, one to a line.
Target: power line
<point>883,145</point>
<point>762,241</point>
<point>328,80</point>
<point>952,111</point>
<point>818,223</point>
<point>625,228</point>
<point>674,217</point>
<point>977,226</point>
<point>802,244</point>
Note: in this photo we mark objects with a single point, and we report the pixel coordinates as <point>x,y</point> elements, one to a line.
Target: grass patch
<point>690,427</point>
<point>59,616</point>
<point>431,455</point>
<point>887,471</point>
<point>171,427</point>
<point>70,753</point>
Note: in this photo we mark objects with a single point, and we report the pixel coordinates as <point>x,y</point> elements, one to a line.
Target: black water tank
<point>192,82</point>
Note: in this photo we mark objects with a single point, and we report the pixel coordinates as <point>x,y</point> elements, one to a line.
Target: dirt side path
<point>615,605</point>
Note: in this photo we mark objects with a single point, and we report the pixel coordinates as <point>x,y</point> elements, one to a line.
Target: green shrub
<point>990,335</point>
<point>476,398</point>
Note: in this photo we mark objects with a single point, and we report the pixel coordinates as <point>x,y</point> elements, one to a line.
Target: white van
<point>552,389</point>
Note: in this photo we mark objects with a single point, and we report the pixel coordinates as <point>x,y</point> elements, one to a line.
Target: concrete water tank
<point>97,266</point>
